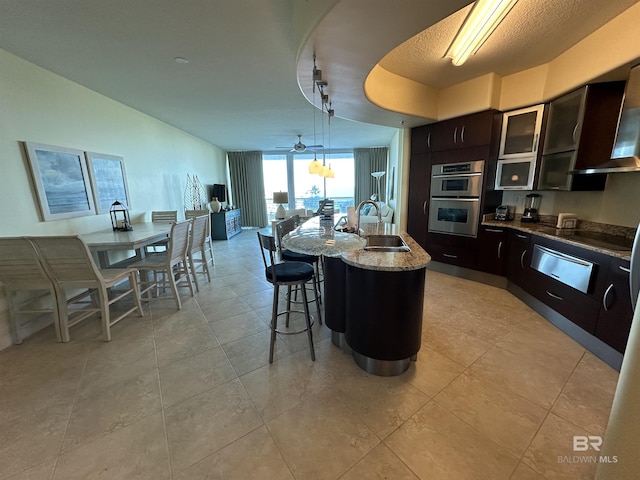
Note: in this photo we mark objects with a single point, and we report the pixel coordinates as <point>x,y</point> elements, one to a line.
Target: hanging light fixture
<point>317,167</point>
<point>483,19</point>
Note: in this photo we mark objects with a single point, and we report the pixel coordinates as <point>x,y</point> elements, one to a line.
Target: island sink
<point>386,243</point>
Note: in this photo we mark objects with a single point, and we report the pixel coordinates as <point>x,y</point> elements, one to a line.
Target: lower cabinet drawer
<point>462,256</point>
<point>569,302</point>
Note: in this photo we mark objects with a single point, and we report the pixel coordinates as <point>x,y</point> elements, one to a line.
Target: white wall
<point>39,106</point>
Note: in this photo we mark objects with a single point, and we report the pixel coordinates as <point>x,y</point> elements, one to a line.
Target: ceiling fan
<point>300,147</point>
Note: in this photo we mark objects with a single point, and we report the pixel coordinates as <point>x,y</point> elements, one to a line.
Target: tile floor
<point>496,393</point>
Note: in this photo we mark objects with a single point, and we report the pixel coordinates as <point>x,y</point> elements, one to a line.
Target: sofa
<point>369,214</point>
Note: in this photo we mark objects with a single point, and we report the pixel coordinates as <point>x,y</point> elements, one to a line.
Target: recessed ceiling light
<point>181,60</point>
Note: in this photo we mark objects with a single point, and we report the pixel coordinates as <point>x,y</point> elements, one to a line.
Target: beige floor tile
<point>587,397</point>
<point>382,403</point>
<point>104,406</point>
<point>525,473</point>
<point>207,422</point>
<point>33,435</point>
<point>192,375</point>
<point>380,463</point>
<point>137,451</point>
<point>215,294</point>
<point>537,379</point>
<point>249,286</point>
<point>453,344</point>
<point>321,438</point>
<point>252,352</point>
<point>551,452</point>
<point>252,456</point>
<point>435,444</point>
<point>237,327</point>
<point>44,471</point>
<point>509,420</point>
<point>182,336</point>
<point>277,387</point>
<point>431,372</point>
<point>223,309</point>
<point>260,299</point>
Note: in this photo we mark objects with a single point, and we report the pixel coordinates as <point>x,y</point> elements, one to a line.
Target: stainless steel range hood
<point>626,150</point>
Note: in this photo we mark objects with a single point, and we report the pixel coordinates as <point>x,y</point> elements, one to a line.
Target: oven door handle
<point>451,175</point>
<point>456,199</point>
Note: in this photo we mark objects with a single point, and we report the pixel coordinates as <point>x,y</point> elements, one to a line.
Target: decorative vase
<point>215,205</point>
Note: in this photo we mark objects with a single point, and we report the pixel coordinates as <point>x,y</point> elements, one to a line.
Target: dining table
<point>143,234</point>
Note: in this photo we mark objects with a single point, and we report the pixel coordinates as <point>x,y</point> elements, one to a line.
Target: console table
<point>225,224</point>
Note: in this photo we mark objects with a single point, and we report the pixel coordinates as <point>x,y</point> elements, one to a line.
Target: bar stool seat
<point>287,274</point>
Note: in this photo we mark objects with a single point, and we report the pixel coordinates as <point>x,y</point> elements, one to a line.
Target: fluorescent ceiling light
<point>483,19</point>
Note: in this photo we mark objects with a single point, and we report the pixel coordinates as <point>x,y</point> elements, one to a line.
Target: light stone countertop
<point>316,237</point>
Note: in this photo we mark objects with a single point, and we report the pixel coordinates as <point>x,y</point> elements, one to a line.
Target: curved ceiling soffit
<point>348,46</point>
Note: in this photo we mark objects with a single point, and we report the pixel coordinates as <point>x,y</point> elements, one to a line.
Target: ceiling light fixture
<point>315,167</point>
<point>482,20</point>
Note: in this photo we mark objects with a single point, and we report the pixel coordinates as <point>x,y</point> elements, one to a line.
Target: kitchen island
<point>373,299</point>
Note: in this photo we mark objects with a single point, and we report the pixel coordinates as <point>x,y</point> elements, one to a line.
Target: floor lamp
<point>378,176</point>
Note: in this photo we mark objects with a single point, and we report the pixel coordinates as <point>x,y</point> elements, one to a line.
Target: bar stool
<point>287,274</point>
<point>282,228</point>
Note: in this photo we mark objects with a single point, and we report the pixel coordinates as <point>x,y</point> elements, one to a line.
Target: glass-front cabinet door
<point>564,124</point>
<point>554,171</point>
<point>521,132</point>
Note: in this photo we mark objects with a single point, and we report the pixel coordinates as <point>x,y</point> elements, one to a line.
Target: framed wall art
<point>108,180</point>
<point>61,181</point>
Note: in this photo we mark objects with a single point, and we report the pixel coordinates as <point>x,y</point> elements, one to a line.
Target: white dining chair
<point>170,268</point>
<point>197,251</point>
<point>208,242</point>
<point>20,271</point>
<point>161,216</point>
<point>69,264</point>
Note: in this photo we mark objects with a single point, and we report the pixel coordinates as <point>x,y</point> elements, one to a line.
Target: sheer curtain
<point>247,185</point>
<point>367,161</point>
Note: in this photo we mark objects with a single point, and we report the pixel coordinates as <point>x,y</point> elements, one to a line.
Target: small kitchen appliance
<point>531,208</point>
<point>567,220</point>
<point>504,213</point>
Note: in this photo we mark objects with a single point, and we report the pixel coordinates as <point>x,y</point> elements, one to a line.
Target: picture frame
<point>61,181</point>
<point>108,180</point>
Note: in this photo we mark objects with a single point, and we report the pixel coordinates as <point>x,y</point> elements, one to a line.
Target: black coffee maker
<point>531,208</point>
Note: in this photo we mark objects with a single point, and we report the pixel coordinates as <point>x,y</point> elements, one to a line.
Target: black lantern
<point>120,220</point>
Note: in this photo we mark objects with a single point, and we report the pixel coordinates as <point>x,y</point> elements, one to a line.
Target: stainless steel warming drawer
<point>567,269</point>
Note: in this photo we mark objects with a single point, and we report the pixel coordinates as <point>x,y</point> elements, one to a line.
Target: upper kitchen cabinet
<point>461,132</point>
<point>521,132</point>
<point>579,135</point>
<point>421,139</point>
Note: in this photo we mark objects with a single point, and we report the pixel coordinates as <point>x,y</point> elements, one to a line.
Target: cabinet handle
<point>554,296</point>
<point>605,298</point>
<point>448,255</point>
<point>524,252</point>
<point>494,230</point>
<point>624,269</point>
<point>424,207</point>
<point>429,140</point>
<point>575,130</point>
<point>462,134</point>
<point>535,143</point>
<point>499,249</point>
<point>524,237</point>
<point>455,135</point>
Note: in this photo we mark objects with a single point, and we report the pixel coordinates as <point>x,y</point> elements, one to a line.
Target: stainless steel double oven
<point>455,198</point>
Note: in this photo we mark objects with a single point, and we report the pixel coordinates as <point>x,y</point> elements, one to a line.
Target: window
<point>289,172</point>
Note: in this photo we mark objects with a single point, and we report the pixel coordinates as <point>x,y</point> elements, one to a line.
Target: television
<point>219,191</point>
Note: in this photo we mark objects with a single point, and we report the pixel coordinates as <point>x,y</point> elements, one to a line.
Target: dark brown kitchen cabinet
<point>466,131</point>
<point>418,204</point>
<point>519,258</point>
<point>616,312</point>
<point>580,133</point>
<point>421,138</point>
<point>453,249</point>
<point>492,249</point>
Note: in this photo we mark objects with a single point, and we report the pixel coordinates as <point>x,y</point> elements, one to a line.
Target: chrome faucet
<point>359,209</point>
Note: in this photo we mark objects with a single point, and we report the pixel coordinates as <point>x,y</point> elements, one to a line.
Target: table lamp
<point>280,198</point>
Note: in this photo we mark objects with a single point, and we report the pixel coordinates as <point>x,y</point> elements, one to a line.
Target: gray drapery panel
<point>247,184</point>
<point>366,161</point>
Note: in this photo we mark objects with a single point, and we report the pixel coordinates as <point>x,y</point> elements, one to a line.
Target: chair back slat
<point>283,227</point>
<point>67,259</point>
<point>20,267</point>
<point>178,241</point>
<point>195,213</point>
<point>164,216</point>
<point>267,244</point>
